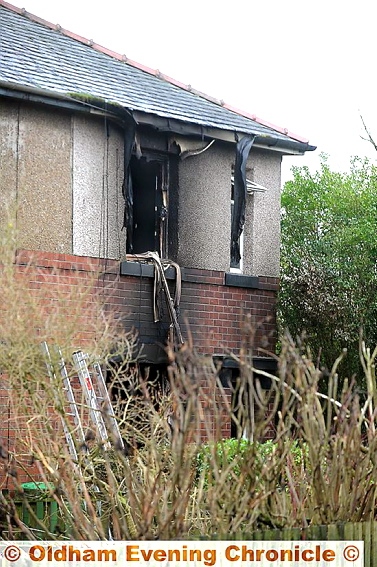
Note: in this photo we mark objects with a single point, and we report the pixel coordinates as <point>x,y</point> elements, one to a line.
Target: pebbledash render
<point>108,160</point>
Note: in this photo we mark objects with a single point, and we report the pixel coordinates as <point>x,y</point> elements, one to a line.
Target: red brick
<point>213,312</point>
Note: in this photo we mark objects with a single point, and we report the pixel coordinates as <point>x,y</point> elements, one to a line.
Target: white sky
<point>307,65</point>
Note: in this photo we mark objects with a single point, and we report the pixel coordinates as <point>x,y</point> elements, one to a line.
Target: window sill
<point>229,279</point>
<point>139,269</point>
<point>234,279</point>
<point>143,270</point>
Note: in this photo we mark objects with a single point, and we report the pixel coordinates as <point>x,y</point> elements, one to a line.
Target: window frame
<point>162,211</point>
<point>239,269</point>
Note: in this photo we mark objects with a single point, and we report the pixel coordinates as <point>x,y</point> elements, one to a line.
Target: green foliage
<point>328,259</point>
<point>231,454</point>
<point>228,450</point>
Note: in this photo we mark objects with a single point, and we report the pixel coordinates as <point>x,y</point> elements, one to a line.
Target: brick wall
<point>217,313</point>
<point>212,313</point>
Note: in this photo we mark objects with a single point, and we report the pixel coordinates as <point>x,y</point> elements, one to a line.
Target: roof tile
<point>36,53</point>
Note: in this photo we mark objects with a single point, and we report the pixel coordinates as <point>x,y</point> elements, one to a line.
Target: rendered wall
<point>205,211</point>
<point>8,154</point>
<point>262,224</point>
<point>97,177</point>
<point>36,175</point>
<point>64,175</point>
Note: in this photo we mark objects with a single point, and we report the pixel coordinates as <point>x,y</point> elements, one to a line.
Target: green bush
<point>232,454</point>
<point>328,261</point>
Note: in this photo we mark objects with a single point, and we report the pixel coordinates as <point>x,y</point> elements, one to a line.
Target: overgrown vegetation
<point>178,478</point>
<point>328,267</point>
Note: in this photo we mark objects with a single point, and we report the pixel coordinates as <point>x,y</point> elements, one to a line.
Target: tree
<point>329,259</point>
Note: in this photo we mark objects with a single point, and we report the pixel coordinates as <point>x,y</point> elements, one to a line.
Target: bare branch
<point>369,138</point>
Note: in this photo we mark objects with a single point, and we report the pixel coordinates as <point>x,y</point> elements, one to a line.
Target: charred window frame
<point>243,148</point>
<point>236,266</point>
<point>153,209</point>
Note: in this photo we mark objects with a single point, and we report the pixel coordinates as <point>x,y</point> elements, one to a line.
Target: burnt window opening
<point>239,184</point>
<point>237,261</point>
<point>236,265</point>
<point>138,390</point>
<point>150,204</point>
<point>247,411</point>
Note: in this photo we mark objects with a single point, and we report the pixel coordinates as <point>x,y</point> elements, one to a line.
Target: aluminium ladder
<point>98,400</point>
<point>95,393</point>
<point>67,389</point>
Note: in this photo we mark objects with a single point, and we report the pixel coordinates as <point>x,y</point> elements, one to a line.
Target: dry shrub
<point>177,477</point>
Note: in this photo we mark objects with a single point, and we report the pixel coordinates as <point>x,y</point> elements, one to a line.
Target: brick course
<point>212,313</point>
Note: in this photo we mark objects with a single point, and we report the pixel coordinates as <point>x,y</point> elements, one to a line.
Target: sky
<point>306,65</point>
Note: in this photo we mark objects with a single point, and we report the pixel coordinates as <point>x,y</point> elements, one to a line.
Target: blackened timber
<point>242,153</point>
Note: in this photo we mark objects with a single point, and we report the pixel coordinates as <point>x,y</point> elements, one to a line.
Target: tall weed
<point>176,477</point>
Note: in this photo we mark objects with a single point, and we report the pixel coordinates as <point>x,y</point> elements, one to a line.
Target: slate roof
<point>35,53</point>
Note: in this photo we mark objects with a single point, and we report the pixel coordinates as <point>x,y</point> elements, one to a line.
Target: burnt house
<point>108,159</point>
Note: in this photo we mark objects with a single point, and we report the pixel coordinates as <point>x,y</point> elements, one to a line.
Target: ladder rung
<point>99,406</point>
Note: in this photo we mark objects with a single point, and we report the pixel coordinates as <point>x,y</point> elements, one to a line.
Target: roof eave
<point>286,146</point>
<point>64,101</point>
